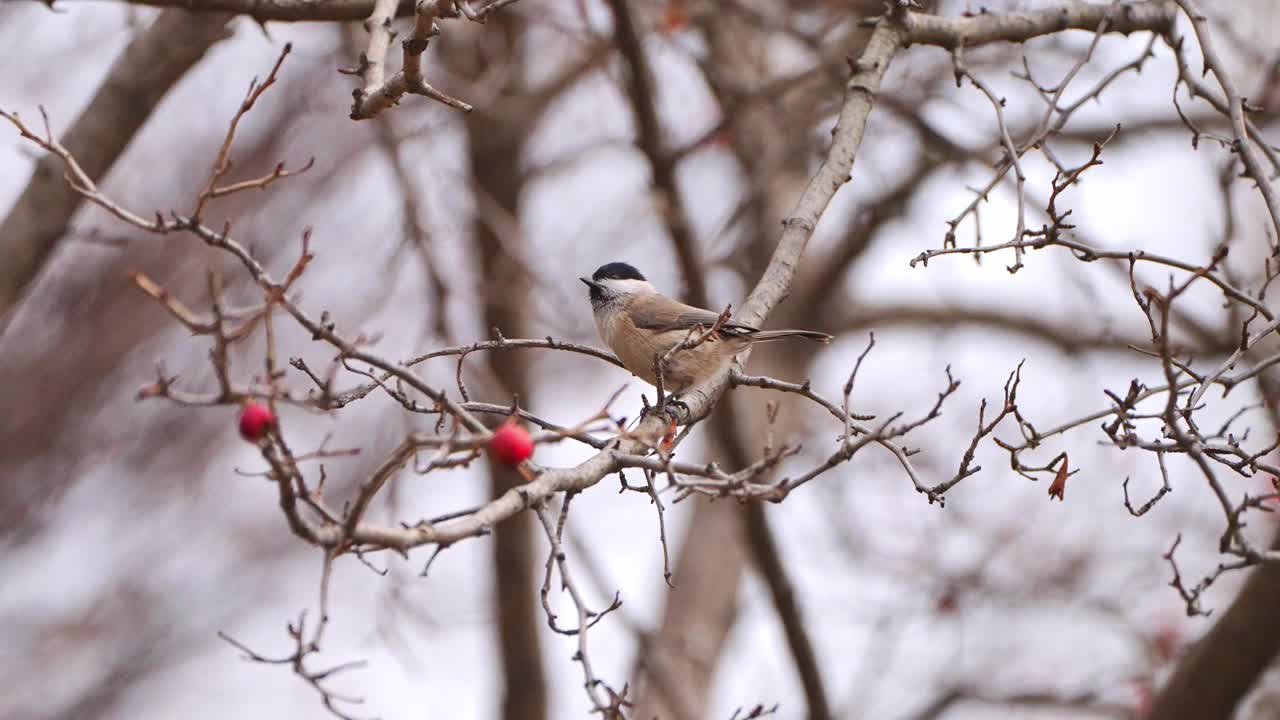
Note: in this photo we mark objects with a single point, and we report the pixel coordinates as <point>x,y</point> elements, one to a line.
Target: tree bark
<point>1220,669</point>
<point>496,141</point>
<point>515,588</point>
<point>700,611</point>
<point>1214,676</point>
<point>722,535</point>
<point>152,64</point>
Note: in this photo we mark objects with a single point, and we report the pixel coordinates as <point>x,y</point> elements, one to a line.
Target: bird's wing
<point>661,314</point>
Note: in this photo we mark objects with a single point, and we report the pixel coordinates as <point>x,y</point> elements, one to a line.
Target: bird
<point>641,326</point>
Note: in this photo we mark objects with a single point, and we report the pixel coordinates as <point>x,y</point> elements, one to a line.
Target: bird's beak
<point>590,283</point>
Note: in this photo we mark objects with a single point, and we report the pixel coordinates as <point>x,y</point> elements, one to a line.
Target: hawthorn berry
<point>511,443</point>
<point>255,420</point>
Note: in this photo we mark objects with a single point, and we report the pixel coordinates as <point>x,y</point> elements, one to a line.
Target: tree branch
<point>153,63</point>
<point>279,10</point>
<point>984,28</point>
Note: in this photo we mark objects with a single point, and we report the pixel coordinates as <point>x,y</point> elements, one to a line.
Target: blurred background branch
<point>155,61</point>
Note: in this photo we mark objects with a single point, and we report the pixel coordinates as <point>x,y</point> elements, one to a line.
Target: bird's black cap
<point>616,271</point>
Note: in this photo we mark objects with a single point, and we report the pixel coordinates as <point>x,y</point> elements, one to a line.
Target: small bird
<point>641,325</point>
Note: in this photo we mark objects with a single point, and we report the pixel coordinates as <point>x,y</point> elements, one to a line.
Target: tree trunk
<point>152,64</point>
<point>496,142</point>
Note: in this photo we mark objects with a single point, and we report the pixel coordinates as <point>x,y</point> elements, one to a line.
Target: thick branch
<point>1224,664</point>
<point>968,32</point>
<point>379,94</point>
<point>859,97</point>
<point>281,10</point>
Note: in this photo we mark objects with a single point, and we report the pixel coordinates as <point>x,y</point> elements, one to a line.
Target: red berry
<point>255,420</point>
<point>511,444</point>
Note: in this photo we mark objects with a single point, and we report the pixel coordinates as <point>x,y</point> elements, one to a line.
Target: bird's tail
<point>767,335</point>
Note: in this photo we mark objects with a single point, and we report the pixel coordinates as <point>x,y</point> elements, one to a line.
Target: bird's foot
<point>674,407</point>
<point>671,408</point>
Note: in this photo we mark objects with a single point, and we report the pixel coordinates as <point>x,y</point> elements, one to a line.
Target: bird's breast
<point>635,348</point>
